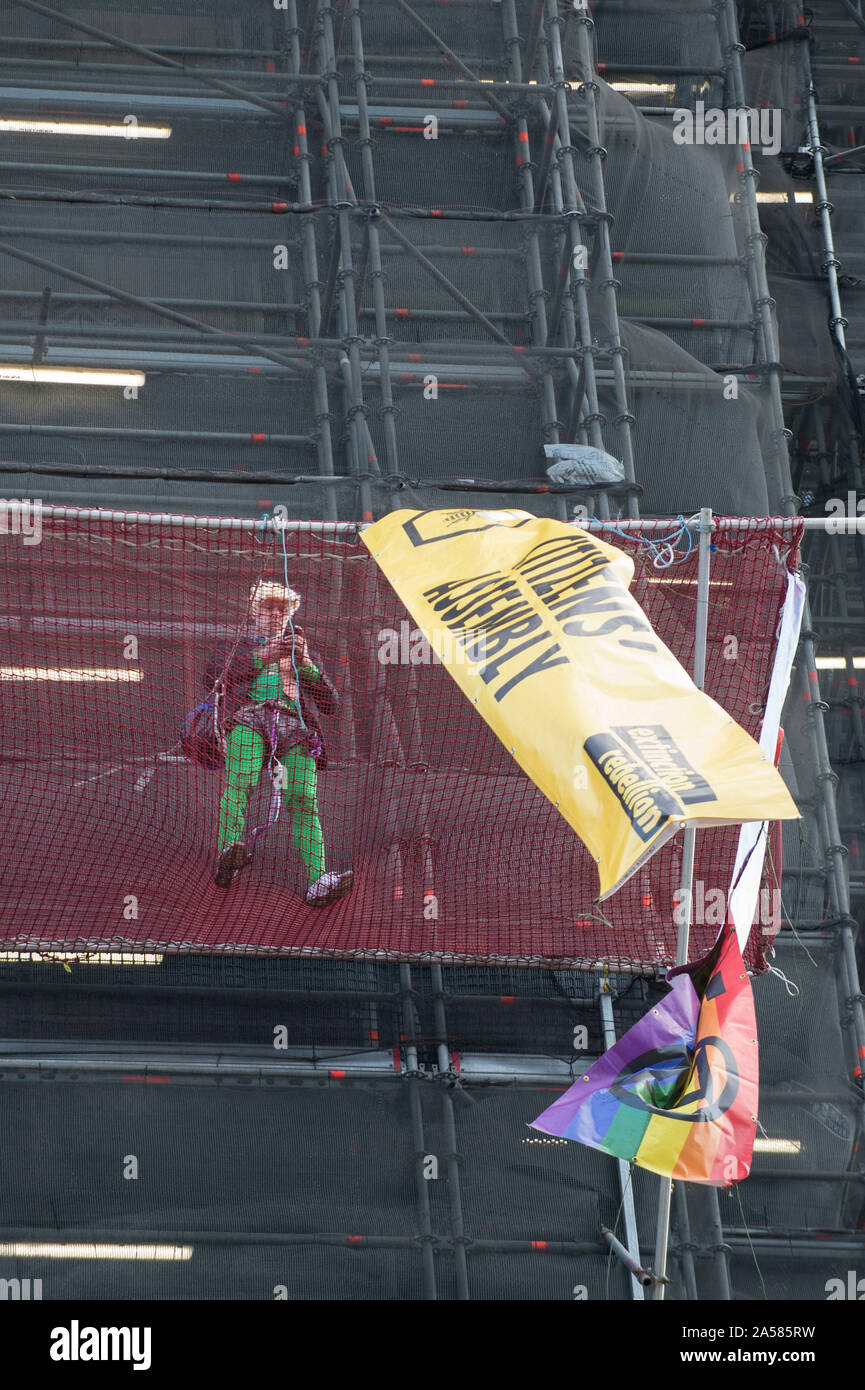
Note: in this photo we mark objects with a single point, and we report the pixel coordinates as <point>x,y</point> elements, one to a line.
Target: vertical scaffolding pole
<point>830,832</point>
<point>686,1256</point>
<point>834,851</point>
<point>755,260</point>
<point>607,282</point>
<point>831,265</point>
<point>568,200</point>
<point>837,560</point>
<point>382,340</point>
<point>687,882</point>
<point>551,424</point>
<point>629,1214</point>
<point>452,1157</point>
<point>343,197</point>
<point>422,1187</point>
<point>313,284</point>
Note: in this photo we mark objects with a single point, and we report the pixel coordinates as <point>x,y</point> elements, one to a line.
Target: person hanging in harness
<point>266,685</point>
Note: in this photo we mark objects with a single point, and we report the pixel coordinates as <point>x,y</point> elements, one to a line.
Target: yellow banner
<point>535,622</point>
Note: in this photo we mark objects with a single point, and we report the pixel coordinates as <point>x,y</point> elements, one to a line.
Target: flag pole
<point>704,532</point>
<point>632,1262</point>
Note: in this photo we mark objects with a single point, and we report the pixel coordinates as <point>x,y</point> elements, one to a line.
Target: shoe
<point>330,887</point>
<point>231,860</point>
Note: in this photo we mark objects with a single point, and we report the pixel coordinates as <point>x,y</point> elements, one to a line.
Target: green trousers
<point>244,760</point>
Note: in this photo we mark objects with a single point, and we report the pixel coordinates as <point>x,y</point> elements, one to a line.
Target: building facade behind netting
<point>324,261</point>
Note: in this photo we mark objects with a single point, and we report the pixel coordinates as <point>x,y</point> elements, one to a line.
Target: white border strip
<point>753,836</point>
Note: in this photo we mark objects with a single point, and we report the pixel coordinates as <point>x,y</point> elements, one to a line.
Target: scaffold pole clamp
<point>646,1277</point>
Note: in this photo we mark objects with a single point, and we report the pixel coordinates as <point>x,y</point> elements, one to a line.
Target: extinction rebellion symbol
<point>700,1104</point>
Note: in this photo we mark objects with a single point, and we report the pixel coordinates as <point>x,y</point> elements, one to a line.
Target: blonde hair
<point>268,590</point>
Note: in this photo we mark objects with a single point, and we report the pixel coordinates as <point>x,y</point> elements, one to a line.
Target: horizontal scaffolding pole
<point>460,83</point>
<point>805,1174</point>
<point>97,46</point>
<point>248,996</point>
<point>355,1064</point>
<point>142,238</point>
<point>145,200</point>
<point>31,1236</point>
<point>187,475</point>
<point>671,258</point>
<point>281,76</point>
<point>58,329</point>
<point>469,372</point>
<point>661,70</point>
<point>391,482</point>
<point>845,526</point>
<point>123,171</point>
<point>220,523</point>
<point>165,436</point>
<point>126,1236</point>
<point>818,1246</point>
<point>415,212</point>
<point>648,524</point>
<point>253,306</point>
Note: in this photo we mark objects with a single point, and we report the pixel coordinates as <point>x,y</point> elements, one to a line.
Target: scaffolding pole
<point>373,243</point>
<point>629,1214</point>
<point>324,440</point>
<point>704,532</point>
<point>551,426</point>
<point>607,283</point>
<point>585,424</point>
<point>343,199</point>
<point>834,850</point>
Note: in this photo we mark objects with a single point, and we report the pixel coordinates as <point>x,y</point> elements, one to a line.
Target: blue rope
<point>260,640</point>
<point>291,626</point>
<point>663,553</point>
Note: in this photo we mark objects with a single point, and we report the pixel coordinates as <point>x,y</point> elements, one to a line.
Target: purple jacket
<point>233,664</point>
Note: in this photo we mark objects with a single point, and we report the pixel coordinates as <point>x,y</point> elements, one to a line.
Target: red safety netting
<point>110,832</point>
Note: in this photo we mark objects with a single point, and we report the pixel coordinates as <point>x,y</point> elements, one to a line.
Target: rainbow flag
<point>678,1093</point>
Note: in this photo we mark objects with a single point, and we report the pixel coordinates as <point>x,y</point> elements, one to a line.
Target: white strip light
<point>798,197</point>
<point>543,1141</point>
<point>655,88</point>
<point>129,130</point>
<point>777,1146</point>
<point>659,88</point>
<point>93,958</point>
<point>69,673</point>
<point>19,1249</point>
<point>70,376</point>
<point>837,663</point>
